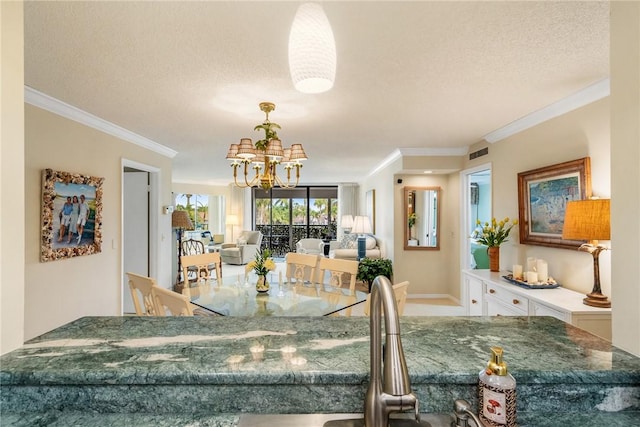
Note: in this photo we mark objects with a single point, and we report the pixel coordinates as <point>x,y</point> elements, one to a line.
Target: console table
<point>486,293</point>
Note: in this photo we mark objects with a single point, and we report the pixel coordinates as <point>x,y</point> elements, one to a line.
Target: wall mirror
<point>422,218</point>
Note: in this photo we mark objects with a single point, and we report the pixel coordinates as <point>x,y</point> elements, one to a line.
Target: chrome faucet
<point>391,392</point>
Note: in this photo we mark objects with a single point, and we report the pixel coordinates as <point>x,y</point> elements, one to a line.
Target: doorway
<point>476,206</point>
<point>139,225</point>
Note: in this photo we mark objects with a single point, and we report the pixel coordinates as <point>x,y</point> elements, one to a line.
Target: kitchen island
<point>209,371</point>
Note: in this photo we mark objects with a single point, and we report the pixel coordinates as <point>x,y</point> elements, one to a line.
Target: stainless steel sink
<point>339,420</point>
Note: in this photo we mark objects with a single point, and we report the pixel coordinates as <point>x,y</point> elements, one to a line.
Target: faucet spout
<point>389,388</point>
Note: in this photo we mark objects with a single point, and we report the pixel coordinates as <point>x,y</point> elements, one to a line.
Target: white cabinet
<point>488,294</point>
<point>475,298</point>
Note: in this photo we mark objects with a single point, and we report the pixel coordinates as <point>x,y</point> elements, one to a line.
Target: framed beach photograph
<point>71,216</point>
<point>543,194</point>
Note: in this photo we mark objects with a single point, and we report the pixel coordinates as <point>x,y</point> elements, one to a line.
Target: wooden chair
<point>300,268</point>
<point>177,304</point>
<point>197,269</point>
<point>141,287</point>
<point>338,271</point>
<point>400,291</point>
<point>192,247</point>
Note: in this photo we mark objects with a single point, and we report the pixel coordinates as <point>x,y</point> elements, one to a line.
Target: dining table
<point>237,296</point>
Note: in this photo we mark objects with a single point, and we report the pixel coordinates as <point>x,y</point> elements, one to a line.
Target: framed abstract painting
<point>543,194</point>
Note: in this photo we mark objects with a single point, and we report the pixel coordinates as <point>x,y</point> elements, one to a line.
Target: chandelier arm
<point>235,176</point>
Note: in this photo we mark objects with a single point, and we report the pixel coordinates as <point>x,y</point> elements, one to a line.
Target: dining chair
<point>300,267</point>
<point>177,304</point>
<point>198,269</point>
<point>192,247</point>
<point>400,292</point>
<point>141,287</point>
<point>337,272</point>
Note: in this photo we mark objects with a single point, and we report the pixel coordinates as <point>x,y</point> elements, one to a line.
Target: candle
<point>532,277</point>
<point>517,271</point>
<point>543,270</point>
<point>531,264</point>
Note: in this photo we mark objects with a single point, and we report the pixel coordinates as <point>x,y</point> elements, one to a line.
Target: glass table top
<point>237,296</point>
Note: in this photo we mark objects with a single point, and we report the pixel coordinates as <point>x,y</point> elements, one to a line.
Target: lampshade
<point>232,219</point>
<point>180,219</point>
<point>361,225</point>
<point>245,149</point>
<point>346,221</point>
<point>312,50</point>
<point>587,220</point>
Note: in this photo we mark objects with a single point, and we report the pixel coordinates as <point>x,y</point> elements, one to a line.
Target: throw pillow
<point>371,242</point>
<point>349,241</point>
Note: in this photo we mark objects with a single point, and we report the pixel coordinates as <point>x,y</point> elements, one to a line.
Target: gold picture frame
<point>542,197</point>
<point>70,228</point>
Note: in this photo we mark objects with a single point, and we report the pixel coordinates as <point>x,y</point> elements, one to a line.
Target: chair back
<point>301,267</point>
<point>197,269</point>
<point>400,291</point>
<point>339,272</point>
<point>339,299</point>
<point>177,304</point>
<point>192,247</point>
<point>140,287</point>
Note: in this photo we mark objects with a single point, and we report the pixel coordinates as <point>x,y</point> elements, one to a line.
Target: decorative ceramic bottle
<point>497,393</point>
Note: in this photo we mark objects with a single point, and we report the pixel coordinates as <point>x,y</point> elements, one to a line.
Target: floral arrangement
<point>262,264</point>
<point>412,219</point>
<point>494,234</point>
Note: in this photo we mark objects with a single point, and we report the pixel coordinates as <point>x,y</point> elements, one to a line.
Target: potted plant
<point>370,268</point>
<point>411,222</point>
<point>492,235</point>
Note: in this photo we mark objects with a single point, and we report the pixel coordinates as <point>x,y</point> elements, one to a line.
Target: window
<point>285,216</point>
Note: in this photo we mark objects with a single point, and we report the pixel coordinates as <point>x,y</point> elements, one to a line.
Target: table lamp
<point>590,220</point>
<point>346,222</point>
<point>361,226</point>
<point>180,221</point>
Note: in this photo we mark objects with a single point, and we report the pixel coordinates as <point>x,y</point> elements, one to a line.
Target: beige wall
<point>11,176</point>
<point>580,133</point>
<point>60,291</point>
<point>625,174</point>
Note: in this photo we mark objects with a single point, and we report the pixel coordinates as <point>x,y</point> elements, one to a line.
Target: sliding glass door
<point>285,216</point>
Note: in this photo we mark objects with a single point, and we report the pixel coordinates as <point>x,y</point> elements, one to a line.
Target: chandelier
<point>264,157</point>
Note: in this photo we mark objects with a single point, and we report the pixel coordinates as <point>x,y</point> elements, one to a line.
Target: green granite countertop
<point>124,365</point>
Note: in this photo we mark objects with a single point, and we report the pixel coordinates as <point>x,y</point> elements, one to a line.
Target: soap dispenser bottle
<point>497,393</point>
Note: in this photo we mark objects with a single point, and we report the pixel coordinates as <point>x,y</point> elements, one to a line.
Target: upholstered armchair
<point>244,250</point>
<point>310,246</point>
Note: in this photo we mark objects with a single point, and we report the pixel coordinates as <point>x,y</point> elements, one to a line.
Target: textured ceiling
<point>190,75</point>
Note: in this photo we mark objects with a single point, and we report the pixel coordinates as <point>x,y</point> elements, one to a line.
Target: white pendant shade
<point>312,50</point>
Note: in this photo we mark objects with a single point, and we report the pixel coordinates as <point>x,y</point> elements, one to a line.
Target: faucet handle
<point>462,410</point>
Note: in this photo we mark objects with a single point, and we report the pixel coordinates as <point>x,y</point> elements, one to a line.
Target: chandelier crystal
<point>264,156</point>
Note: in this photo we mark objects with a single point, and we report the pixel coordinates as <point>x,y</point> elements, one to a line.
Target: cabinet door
<point>474,296</point>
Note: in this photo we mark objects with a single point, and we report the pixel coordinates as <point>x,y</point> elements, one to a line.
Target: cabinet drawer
<point>498,308</point>
<point>543,310</point>
<point>510,299</point>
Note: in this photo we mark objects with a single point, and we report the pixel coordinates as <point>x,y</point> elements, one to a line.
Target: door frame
<point>154,214</point>
<point>465,217</point>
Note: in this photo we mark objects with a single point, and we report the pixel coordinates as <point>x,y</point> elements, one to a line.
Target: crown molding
<point>579,99</point>
<point>49,103</point>
<point>433,152</point>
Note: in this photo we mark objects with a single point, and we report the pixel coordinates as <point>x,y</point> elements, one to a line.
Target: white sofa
<point>347,247</point>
